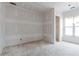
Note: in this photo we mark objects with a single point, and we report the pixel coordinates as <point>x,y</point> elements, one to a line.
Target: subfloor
<point>41,48</point>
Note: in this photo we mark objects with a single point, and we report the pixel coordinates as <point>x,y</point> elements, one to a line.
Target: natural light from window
<point>71,26</point>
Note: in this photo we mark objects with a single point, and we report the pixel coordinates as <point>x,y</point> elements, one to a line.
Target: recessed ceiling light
<point>69,4</point>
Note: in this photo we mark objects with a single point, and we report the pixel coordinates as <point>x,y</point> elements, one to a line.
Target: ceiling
<point>44,6</point>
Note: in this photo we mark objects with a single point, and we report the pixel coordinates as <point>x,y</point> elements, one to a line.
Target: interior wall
<point>49,26</point>
<point>1,34</point>
<point>60,14</point>
<point>20,25</point>
<point>57,28</point>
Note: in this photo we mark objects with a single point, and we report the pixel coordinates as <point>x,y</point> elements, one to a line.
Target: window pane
<point>76,31</point>
<point>76,20</point>
<point>69,21</point>
<point>69,31</point>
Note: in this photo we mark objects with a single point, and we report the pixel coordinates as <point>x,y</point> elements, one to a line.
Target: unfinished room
<point>39,28</point>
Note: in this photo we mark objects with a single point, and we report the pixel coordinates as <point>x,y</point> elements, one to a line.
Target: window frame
<point>73,25</point>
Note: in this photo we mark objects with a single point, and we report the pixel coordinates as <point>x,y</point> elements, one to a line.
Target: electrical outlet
<point>20,38</point>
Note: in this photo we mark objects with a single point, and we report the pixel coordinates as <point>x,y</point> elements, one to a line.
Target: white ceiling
<point>43,6</point>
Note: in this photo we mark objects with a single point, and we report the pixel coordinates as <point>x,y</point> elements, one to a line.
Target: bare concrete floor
<point>41,48</point>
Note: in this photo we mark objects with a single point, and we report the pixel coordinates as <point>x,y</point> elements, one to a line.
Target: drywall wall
<point>57,28</point>
<point>74,39</point>
<point>20,25</point>
<point>61,26</point>
<point>60,14</point>
<point>1,35</point>
<point>49,26</point>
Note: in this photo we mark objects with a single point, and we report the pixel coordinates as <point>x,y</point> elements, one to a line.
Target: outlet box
<point>20,38</point>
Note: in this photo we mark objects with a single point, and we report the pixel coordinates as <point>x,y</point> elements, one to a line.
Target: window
<point>69,21</point>
<point>76,31</point>
<point>76,22</point>
<point>71,26</point>
<point>69,31</point>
